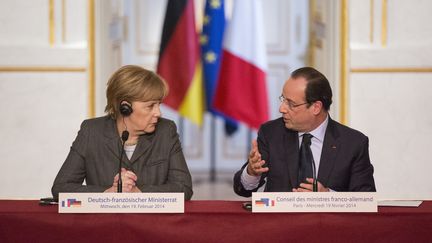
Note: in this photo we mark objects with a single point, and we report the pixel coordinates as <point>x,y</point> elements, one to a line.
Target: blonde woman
<point>152,160</point>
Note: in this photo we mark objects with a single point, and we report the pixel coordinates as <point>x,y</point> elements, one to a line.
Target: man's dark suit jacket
<point>344,164</point>
<point>157,161</point>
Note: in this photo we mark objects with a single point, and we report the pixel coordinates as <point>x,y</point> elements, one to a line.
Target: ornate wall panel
<point>392,109</point>
<point>45,82</point>
<point>384,74</point>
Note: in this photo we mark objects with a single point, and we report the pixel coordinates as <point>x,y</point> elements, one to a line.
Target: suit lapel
<point>112,139</point>
<point>291,150</point>
<point>331,146</point>
<point>143,145</point>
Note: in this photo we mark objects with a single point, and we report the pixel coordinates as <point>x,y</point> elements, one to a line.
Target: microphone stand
<point>124,138</point>
<point>315,182</point>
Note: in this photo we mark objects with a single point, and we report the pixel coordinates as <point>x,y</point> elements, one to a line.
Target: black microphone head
<point>125,136</point>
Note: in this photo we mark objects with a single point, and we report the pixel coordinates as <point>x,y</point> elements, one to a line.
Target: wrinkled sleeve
<point>71,176</point>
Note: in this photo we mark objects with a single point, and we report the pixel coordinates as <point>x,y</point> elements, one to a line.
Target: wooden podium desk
<point>213,221</point>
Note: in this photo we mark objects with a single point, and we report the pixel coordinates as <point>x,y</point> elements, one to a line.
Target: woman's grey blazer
<point>158,160</point>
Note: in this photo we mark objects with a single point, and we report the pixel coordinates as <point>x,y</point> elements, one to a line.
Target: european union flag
<point>211,48</point>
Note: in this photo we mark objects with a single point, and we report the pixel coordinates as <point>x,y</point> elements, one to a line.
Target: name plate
<point>269,202</point>
<point>121,203</point>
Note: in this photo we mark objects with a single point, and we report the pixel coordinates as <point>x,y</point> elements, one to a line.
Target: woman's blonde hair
<point>133,83</point>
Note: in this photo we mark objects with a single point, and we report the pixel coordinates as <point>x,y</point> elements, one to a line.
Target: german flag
<point>179,61</point>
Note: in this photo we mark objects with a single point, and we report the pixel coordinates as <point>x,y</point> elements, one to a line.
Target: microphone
<point>124,138</point>
<point>315,182</point>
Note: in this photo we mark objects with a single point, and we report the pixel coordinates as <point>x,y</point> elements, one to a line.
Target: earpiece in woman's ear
<point>125,108</point>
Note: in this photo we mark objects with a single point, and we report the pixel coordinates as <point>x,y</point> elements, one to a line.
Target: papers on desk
<point>399,203</point>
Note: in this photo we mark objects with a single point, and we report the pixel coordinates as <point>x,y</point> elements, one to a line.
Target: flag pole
<point>213,149</point>
<point>181,129</point>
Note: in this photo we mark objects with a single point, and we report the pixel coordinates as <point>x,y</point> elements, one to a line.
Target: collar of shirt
<point>317,133</point>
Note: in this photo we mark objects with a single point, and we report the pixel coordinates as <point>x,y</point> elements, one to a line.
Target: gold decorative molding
<point>91,58</point>
<point>343,63</point>
<point>384,23</point>
<point>393,70</point>
<point>41,69</point>
<point>51,16</point>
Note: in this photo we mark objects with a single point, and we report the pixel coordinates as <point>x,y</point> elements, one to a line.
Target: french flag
<point>241,93</point>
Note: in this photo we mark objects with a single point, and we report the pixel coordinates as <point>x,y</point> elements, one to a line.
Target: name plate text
<point>121,203</point>
<point>265,202</point>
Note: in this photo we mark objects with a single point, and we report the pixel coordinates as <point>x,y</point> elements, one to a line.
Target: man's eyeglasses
<point>289,103</point>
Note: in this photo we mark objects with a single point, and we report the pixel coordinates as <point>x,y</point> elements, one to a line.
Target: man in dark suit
<point>339,154</point>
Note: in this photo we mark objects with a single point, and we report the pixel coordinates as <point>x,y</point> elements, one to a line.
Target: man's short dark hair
<point>317,88</point>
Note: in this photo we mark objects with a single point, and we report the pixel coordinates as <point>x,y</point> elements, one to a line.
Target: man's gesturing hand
<point>255,162</point>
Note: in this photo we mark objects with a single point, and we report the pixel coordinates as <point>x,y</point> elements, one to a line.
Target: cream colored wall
<point>47,82</point>
<point>44,82</point>
<point>43,91</point>
<point>388,80</point>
